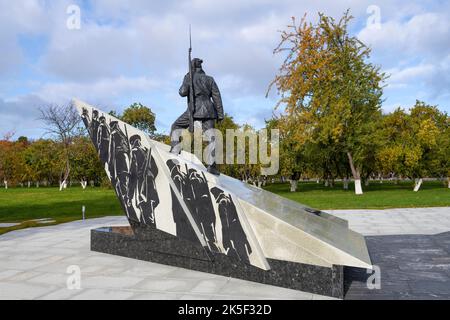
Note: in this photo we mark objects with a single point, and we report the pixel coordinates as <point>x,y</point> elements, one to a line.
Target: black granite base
<point>153,245</point>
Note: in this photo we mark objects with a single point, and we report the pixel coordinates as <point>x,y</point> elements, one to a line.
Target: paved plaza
<point>426,221</point>
<point>34,262</point>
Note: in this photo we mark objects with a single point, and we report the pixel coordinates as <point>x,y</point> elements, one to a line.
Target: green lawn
<point>376,195</point>
<point>22,204</point>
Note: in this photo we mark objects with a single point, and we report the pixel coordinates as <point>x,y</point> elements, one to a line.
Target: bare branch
<point>9,135</point>
<point>61,121</point>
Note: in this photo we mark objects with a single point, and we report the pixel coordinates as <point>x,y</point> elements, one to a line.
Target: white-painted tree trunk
<point>345,183</point>
<point>83,184</point>
<point>358,188</point>
<point>356,174</point>
<point>37,184</point>
<point>6,184</point>
<point>294,185</point>
<point>62,185</point>
<point>29,184</point>
<point>448,182</point>
<point>326,183</point>
<point>418,184</point>
<point>318,181</point>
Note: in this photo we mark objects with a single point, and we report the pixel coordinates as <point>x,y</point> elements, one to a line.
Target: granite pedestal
<point>160,247</point>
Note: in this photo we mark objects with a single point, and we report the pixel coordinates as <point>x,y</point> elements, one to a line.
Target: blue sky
<point>135,51</point>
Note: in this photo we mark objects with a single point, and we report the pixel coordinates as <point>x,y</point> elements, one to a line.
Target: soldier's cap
<point>135,138</point>
<point>102,118</point>
<point>197,62</point>
<point>173,164</point>
<point>216,192</point>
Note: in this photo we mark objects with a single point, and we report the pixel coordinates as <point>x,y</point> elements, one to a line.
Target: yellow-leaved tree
<point>330,92</point>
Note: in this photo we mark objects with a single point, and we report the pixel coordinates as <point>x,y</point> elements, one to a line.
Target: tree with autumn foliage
<point>416,144</point>
<point>331,94</point>
<point>139,116</point>
<point>224,125</point>
<point>293,160</point>
<point>85,163</point>
<point>43,159</point>
<point>441,154</point>
<point>8,160</point>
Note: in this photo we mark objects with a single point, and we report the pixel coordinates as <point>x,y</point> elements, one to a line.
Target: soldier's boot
<point>213,169</point>
<point>175,147</point>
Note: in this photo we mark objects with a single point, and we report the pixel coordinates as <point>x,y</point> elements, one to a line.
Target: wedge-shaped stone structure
<point>176,195</point>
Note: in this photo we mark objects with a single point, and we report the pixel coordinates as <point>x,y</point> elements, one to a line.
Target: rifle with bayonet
<point>191,98</point>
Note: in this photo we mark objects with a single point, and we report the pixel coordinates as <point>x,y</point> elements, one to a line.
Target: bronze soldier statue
<point>205,111</point>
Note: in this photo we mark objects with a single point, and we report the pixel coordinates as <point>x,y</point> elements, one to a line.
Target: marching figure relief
<point>129,165</point>
<point>199,198</point>
<point>133,171</point>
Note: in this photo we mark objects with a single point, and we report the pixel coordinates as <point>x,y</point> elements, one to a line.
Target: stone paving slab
<point>8,225</point>
<point>34,262</point>
<point>411,267</point>
<point>34,266</point>
<point>397,221</point>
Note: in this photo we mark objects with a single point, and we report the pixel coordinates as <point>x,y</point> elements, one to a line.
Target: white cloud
<point>426,34</point>
<point>10,55</point>
<point>20,116</point>
<point>415,52</point>
<point>138,50</point>
<point>106,90</point>
<point>23,16</point>
<point>17,17</point>
<point>402,76</point>
<point>90,53</point>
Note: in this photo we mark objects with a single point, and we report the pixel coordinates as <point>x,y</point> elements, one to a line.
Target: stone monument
<point>182,215</point>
